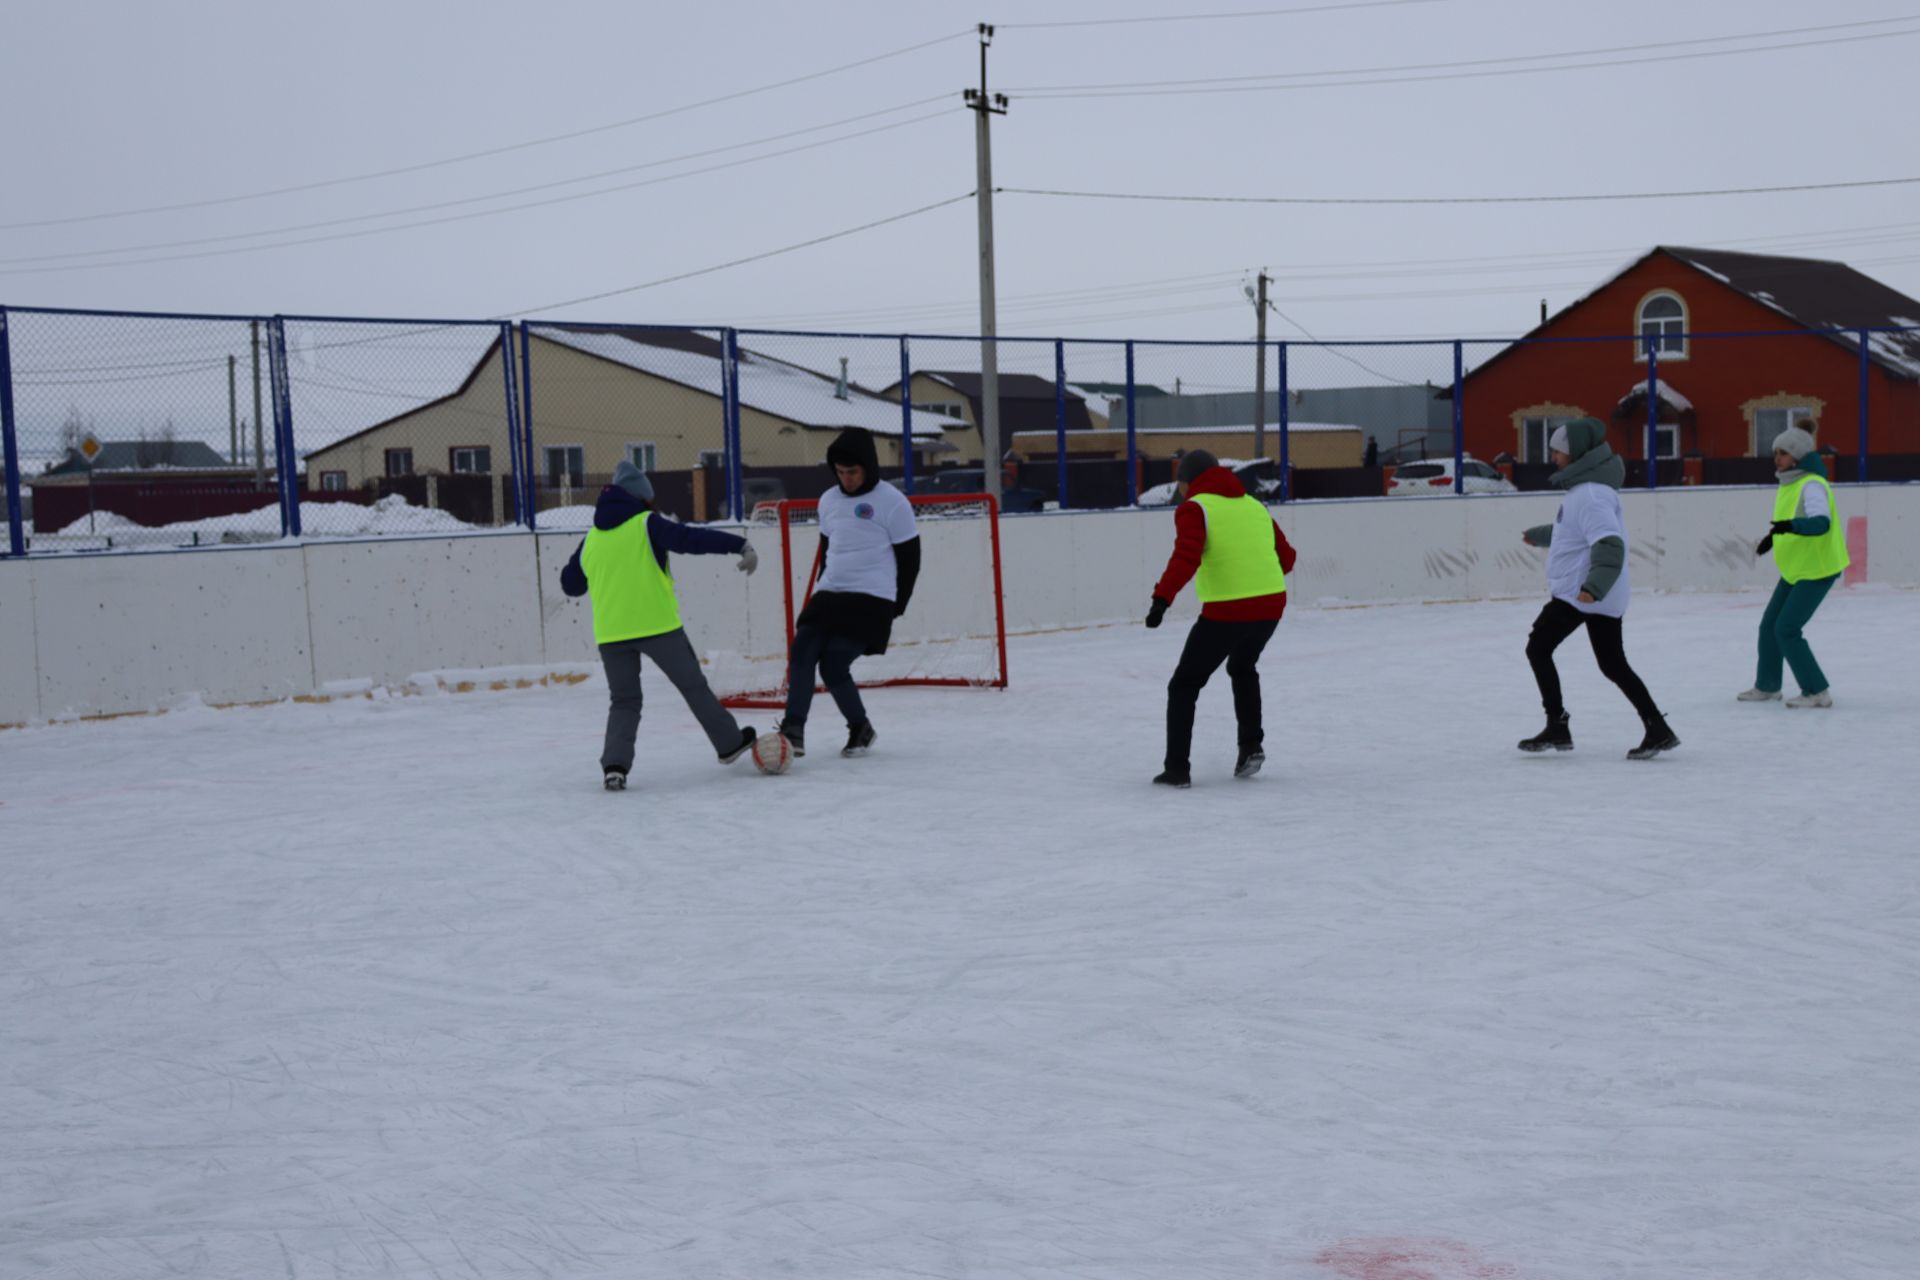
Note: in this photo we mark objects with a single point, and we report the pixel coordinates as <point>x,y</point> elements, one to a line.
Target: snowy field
<point>393,989</point>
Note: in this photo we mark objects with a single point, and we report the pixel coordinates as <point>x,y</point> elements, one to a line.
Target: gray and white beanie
<point>1796,442</point>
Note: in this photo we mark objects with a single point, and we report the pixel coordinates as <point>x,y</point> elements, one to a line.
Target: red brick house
<point>1720,397</point>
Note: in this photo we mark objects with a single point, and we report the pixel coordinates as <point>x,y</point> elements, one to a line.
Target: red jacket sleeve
<point>1284,549</point>
<point>1189,540</point>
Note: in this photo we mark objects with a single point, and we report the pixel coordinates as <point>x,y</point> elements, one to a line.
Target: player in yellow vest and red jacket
<point>1238,558</point>
<point>623,565</point>
<point>1810,549</point>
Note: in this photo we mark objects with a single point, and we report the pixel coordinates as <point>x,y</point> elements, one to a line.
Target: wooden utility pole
<point>1260,369</point>
<point>984,108</point>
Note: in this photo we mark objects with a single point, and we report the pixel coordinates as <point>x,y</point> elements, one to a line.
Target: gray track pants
<point>673,654</point>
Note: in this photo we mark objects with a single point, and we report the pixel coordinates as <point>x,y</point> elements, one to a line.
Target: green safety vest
<point>632,595</point>
<point>1803,558</point>
<point>1239,560</point>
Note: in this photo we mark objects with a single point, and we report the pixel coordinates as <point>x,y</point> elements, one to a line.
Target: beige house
<point>601,395</point>
<point>1309,444</point>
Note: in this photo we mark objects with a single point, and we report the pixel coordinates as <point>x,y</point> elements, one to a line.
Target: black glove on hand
<point>899,608</point>
<point>1782,526</point>
<point>1156,612</point>
<point>1765,545</point>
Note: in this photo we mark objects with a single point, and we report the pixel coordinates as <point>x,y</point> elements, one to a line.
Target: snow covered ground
<point>391,988</point>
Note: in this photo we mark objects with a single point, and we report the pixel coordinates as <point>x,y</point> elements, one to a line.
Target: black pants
<point>1211,642</point>
<point>832,654</point>
<point>1558,621</point>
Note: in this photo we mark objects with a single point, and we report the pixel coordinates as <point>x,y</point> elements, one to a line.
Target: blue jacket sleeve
<point>573,579</point>
<point>688,540</point>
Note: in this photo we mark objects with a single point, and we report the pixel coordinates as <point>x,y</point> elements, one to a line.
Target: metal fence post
<point>530,490</point>
<point>1866,389</point>
<point>1653,414</point>
<point>1060,418</point>
<point>514,468</point>
<point>16,534</point>
<point>1133,444</point>
<point>736,503</point>
<point>1283,422</point>
<point>286,465</point>
<point>1459,418</point>
<point>906,420</point>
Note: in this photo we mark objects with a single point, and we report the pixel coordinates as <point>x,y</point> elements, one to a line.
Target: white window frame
<point>1762,438</point>
<point>1672,329</point>
<point>1666,439</point>
<point>713,458</point>
<point>576,477</point>
<point>453,460</point>
<point>333,482</point>
<point>1547,426</point>
<point>644,454</point>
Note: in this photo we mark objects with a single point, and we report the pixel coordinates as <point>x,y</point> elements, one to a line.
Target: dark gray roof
<point>1818,294</point>
<point>144,455</point>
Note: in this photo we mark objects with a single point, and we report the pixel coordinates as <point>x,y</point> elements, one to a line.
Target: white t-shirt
<point>1588,513</point>
<point>861,531</point>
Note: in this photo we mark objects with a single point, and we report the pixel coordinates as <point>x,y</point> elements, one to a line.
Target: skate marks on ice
<point>1410,1258</point>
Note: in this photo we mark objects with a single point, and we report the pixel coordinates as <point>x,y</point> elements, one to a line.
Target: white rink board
<point>134,632</point>
<point>389,610</point>
<point>19,684</point>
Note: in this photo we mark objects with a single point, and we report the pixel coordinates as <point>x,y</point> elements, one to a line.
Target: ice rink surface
<point>391,988</point>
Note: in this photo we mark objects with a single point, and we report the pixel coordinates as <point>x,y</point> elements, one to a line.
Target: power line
<point>1470,62</point>
<point>740,262</point>
<point>1204,17</point>
<point>1445,200</point>
<point>465,217</point>
<point>490,151</point>
<point>543,186</point>
<point>1642,60</point>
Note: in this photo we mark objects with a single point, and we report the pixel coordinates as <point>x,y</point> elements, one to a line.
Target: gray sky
<point>122,106</point>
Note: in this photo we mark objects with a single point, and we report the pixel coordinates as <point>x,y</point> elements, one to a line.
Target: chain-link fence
<point>125,429</point>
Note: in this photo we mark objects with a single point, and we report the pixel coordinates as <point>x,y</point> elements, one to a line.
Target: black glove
<point>1782,526</point>
<point>1765,545</point>
<point>1156,611</point>
<point>900,608</point>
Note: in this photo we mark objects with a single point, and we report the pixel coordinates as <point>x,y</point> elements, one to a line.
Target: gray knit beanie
<point>1195,461</point>
<point>1797,443</point>
<point>633,480</point>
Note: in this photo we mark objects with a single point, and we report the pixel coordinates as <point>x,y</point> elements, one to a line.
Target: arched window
<point>1662,324</point>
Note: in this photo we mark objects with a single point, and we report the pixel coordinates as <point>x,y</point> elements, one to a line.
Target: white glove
<point>749,559</point>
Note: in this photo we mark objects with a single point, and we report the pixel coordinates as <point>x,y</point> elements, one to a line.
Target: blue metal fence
<point>389,426</point>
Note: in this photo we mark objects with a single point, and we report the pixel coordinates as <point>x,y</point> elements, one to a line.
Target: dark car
<point>969,480</point>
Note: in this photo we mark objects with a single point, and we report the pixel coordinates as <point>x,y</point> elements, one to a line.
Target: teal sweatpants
<point>1781,628</point>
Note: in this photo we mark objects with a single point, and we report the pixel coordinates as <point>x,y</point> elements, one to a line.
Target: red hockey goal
<point>955,628</point>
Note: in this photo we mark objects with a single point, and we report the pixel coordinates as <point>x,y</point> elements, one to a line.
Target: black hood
<point>615,507</point>
<point>854,447</point>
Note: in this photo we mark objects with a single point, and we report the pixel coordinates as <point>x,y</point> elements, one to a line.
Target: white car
<point>1431,477</point>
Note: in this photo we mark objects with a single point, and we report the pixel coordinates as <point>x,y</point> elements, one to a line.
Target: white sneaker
<point>1820,699</point>
<point>1758,695</point>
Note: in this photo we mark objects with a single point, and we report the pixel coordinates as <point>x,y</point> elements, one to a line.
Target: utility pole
<point>259,442</point>
<point>233,413</point>
<point>984,108</point>
<point>1260,367</point>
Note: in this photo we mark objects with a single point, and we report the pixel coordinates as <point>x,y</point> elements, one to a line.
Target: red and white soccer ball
<point>772,753</point>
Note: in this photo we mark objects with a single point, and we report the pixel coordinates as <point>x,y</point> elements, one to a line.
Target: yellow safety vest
<point>632,595</point>
<point>1239,560</point>
<point>1802,558</point>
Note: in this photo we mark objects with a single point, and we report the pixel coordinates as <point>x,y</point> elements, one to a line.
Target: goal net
<point>954,631</point>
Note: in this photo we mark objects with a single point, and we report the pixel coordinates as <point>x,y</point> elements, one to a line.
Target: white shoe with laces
<point>1758,695</point>
<point>1820,699</point>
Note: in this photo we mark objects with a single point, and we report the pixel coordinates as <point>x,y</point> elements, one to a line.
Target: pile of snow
<point>391,514</point>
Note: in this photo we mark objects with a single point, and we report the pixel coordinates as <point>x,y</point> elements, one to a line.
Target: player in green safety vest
<point>1238,558</point>
<point>622,563</point>
<point>1810,549</point>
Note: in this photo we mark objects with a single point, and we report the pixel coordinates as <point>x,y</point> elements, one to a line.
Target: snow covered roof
<point>1668,396</point>
<point>771,386</point>
<point>1243,428</point>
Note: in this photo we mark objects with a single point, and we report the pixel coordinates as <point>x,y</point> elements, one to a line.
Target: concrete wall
<point>104,634</point>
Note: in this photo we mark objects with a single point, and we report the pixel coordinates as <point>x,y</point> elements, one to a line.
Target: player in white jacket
<point>1588,578</point>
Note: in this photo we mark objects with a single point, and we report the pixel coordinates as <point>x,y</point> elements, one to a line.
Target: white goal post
<point>954,632</point>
